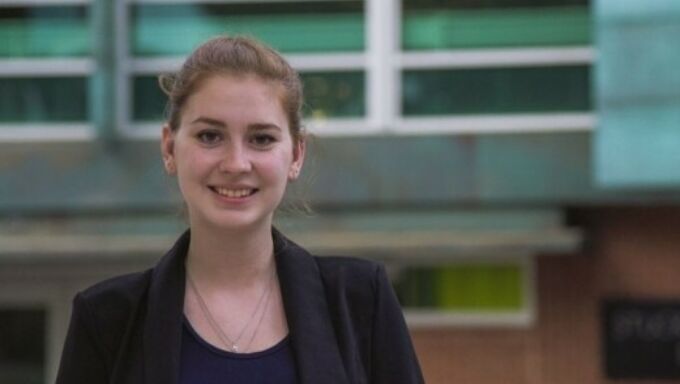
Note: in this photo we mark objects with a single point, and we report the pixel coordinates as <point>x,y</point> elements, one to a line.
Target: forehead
<point>227,96</point>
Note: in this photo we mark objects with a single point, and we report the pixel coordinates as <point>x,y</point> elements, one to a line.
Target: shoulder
<point>116,291</point>
<point>349,269</point>
<point>352,281</point>
<point>107,307</point>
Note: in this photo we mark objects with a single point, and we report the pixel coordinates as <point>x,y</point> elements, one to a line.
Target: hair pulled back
<point>234,55</point>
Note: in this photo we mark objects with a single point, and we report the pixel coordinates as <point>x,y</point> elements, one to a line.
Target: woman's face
<point>233,152</point>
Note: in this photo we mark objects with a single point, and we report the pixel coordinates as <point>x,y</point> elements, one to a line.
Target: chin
<point>237,222</point>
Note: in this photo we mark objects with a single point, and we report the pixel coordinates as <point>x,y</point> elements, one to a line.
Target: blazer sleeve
<point>393,358</point>
<point>83,357</point>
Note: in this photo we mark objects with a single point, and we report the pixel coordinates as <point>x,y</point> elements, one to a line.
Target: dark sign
<point>642,339</point>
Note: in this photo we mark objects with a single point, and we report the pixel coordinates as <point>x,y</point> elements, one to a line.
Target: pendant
<point>234,348</point>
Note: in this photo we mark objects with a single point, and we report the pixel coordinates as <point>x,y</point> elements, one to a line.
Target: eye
<point>209,137</point>
<point>263,139</point>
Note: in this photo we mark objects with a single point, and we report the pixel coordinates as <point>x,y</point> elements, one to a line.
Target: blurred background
<point>514,163</point>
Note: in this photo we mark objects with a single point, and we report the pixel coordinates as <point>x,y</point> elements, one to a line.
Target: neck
<point>230,258</point>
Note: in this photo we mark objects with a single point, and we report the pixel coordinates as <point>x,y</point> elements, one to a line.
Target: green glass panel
<point>22,346</point>
<point>496,90</point>
<point>451,24</point>
<point>148,99</point>
<point>167,30</point>
<point>43,99</point>
<point>327,94</point>
<point>44,31</point>
<point>334,94</point>
<point>466,287</point>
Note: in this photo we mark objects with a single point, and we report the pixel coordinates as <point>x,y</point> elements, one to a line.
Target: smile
<point>234,193</point>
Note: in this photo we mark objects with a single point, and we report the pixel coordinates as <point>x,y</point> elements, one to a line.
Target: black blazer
<point>345,324</point>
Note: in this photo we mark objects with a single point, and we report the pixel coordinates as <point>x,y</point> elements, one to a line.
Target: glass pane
<point>492,287</point>
<point>43,99</point>
<point>442,24</point>
<point>496,90</point>
<point>334,94</point>
<point>166,30</point>
<point>327,94</point>
<point>22,346</point>
<point>44,31</point>
<point>148,99</point>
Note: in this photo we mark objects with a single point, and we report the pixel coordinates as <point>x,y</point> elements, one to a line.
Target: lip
<point>233,193</point>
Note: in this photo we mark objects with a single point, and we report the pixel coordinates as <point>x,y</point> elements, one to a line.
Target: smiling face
<point>233,152</point>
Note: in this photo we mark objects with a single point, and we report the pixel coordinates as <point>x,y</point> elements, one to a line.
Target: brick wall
<point>631,252</point>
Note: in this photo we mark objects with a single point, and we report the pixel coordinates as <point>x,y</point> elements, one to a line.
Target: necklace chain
<point>232,345</point>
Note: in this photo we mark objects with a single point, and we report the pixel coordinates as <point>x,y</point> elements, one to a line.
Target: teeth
<point>233,192</point>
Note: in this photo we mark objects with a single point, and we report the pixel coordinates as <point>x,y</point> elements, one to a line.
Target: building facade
<point>514,163</point>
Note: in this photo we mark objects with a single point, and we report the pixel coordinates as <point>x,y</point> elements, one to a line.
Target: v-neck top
<point>203,363</point>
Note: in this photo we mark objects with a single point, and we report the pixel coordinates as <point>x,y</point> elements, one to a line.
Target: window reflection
<point>44,31</point>
<point>43,99</point>
<point>450,24</point>
<point>464,287</point>
<point>322,26</point>
<point>496,90</point>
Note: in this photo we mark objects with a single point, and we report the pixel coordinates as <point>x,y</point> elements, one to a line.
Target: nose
<point>235,159</point>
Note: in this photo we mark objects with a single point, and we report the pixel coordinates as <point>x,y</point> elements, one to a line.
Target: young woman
<point>234,301</point>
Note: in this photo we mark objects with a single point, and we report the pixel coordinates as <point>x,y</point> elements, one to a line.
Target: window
<point>486,292</point>
<point>324,40</point>
<point>496,90</point>
<point>369,67</point>
<point>45,66</point>
<point>442,24</point>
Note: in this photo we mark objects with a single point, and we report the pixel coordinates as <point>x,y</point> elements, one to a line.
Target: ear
<point>168,149</point>
<point>299,148</point>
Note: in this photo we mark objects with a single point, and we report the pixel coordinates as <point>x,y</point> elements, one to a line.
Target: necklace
<point>232,345</point>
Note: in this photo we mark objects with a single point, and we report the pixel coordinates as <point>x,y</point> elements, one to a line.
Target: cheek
<point>277,167</point>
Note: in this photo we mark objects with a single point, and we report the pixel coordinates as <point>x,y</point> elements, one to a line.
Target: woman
<point>234,301</point>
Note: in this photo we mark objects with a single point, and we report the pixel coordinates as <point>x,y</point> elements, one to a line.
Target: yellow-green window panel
<point>496,90</point>
<point>175,29</point>
<point>43,99</point>
<point>327,95</point>
<point>45,31</point>
<point>464,287</point>
<point>453,24</point>
<point>334,94</point>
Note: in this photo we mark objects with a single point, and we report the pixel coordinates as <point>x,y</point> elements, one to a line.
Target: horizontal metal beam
<point>490,124</point>
<point>492,58</point>
<point>45,67</point>
<point>30,3</point>
<point>46,132</point>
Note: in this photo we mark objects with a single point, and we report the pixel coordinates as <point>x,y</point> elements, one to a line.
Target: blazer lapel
<point>163,325</point>
<point>311,331</point>
<point>312,336</point>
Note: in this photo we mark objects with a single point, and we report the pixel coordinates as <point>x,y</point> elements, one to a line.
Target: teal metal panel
<point>637,87</point>
<point>534,168</point>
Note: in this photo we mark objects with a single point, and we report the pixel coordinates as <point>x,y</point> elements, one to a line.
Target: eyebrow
<point>221,124</point>
<point>209,121</point>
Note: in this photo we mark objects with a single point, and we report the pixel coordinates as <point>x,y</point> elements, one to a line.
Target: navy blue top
<point>203,363</point>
